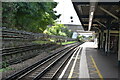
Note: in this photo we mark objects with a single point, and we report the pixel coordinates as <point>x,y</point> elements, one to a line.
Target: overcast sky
<point>65,7</point>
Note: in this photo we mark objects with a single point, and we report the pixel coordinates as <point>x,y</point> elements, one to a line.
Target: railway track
<point>14,50</point>
<point>71,69</point>
<point>40,68</point>
<point>51,73</point>
<point>17,54</point>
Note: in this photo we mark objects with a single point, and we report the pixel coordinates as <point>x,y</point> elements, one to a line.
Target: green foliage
<point>58,30</point>
<point>29,16</point>
<point>4,67</point>
<point>80,38</point>
<point>90,37</point>
<point>69,42</point>
<point>41,42</point>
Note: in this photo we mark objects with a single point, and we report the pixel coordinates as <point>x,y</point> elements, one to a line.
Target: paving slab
<point>100,65</point>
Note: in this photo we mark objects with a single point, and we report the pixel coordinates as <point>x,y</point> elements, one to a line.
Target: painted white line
<point>84,72</point>
<point>73,66</point>
<point>63,72</point>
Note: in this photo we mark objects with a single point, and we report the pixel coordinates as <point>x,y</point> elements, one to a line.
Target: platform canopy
<point>74,27</point>
<point>98,15</point>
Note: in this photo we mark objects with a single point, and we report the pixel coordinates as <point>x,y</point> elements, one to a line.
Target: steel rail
<point>52,64</point>
<point>19,50</point>
<point>63,63</point>
<point>11,48</point>
<point>23,71</point>
<point>44,62</point>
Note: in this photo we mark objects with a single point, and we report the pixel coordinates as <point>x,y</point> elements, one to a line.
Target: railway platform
<point>92,64</point>
<point>100,65</point>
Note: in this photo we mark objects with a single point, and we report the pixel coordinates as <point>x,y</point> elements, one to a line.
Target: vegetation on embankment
<point>37,17</point>
<point>28,16</point>
<point>59,43</point>
<point>41,42</point>
<point>68,42</point>
<point>58,30</point>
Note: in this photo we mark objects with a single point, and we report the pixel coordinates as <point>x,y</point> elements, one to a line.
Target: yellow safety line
<point>98,71</point>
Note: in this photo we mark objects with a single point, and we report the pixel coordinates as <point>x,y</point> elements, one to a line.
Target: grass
<point>69,42</point>
<point>5,69</point>
<point>45,42</point>
<point>41,42</point>
<point>4,64</point>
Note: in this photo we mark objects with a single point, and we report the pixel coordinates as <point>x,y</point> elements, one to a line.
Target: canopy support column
<point>119,48</point>
<point>107,45</point>
<point>99,40</point>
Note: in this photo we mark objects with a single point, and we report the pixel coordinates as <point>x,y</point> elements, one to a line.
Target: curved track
<point>39,68</point>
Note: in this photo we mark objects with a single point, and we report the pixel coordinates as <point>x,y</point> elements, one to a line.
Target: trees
<point>29,16</point>
<point>58,30</point>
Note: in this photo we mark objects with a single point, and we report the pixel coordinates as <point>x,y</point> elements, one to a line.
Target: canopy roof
<point>101,14</point>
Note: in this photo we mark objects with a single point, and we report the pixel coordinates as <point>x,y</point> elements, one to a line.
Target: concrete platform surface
<point>100,65</point>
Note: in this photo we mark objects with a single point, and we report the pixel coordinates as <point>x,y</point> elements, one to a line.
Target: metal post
<point>103,40</point>
<point>102,37</point>
<point>119,48</point>
<point>107,47</point>
<point>99,40</point>
<point>108,39</point>
<point>1,40</point>
<point>106,42</point>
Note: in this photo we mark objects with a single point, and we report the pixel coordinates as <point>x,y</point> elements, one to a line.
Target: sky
<point>65,7</point>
